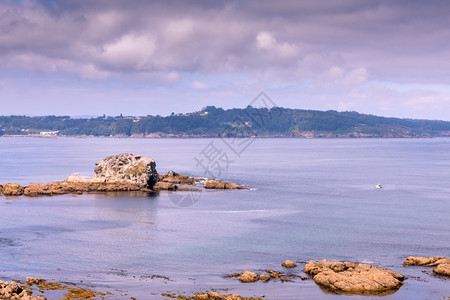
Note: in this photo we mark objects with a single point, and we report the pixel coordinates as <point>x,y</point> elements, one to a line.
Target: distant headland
<point>213,122</point>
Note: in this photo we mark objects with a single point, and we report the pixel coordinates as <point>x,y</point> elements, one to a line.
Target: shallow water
<point>310,199</point>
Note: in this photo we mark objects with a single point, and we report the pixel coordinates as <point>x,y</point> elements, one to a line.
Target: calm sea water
<point>310,199</point>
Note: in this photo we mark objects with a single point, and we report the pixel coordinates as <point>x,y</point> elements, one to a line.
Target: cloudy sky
<point>139,57</point>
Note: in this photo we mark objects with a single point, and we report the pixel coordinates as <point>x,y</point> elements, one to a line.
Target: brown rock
<point>201,296</point>
<point>248,276</point>
<point>274,274</point>
<point>215,296</point>
<point>351,278</point>
<point>176,178</point>
<point>216,184</point>
<point>12,189</point>
<point>422,261</point>
<point>233,297</point>
<point>33,189</point>
<point>186,189</point>
<point>11,290</point>
<point>264,277</point>
<point>288,264</point>
<point>441,263</point>
<point>166,186</point>
<point>31,280</point>
<point>442,269</point>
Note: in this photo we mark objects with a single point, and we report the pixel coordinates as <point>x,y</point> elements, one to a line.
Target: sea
<point>308,199</point>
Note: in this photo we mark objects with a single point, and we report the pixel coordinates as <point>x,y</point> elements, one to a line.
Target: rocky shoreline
<point>337,277</point>
<point>122,172</point>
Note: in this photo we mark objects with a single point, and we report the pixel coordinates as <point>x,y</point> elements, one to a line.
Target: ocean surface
<point>309,199</point>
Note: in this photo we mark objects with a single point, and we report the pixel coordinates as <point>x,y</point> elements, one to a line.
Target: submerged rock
<point>217,184</point>
<point>441,263</point>
<point>352,278</point>
<point>127,167</point>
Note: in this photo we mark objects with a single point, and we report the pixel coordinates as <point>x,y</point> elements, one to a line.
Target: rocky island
<point>122,172</point>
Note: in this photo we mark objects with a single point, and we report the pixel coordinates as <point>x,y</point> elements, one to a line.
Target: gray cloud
<point>344,40</point>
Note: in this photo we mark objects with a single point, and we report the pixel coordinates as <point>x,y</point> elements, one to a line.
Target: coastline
<point>148,218</point>
<point>330,137</point>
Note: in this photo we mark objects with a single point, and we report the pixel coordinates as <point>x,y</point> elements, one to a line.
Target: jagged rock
<point>264,277</point>
<point>441,263</point>
<point>11,290</point>
<point>352,278</point>
<point>216,184</point>
<point>288,264</point>
<point>129,168</point>
<point>248,276</point>
<point>12,189</point>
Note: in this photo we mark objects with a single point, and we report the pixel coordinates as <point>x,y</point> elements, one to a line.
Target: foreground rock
<point>441,263</point>
<point>127,168</point>
<point>217,184</point>
<point>11,290</point>
<point>352,278</point>
<point>210,296</point>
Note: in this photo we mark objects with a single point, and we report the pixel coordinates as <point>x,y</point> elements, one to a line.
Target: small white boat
<point>379,186</point>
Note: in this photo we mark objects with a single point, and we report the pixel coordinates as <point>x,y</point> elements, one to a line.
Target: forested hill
<point>217,122</point>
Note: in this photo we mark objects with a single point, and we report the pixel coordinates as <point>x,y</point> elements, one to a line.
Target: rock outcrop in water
<point>441,263</point>
<point>216,184</point>
<point>248,276</point>
<point>288,264</point>
<point>352,278</point>
<point>127,168</point>
<point>122,172</point>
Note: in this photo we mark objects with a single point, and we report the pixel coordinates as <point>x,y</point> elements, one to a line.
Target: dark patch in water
<point>4,242</point>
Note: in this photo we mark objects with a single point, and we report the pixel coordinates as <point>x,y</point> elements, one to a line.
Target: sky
<point>140,57</point>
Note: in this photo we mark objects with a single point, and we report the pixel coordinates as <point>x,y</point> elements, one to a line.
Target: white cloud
<point>130,51</point>
<point>198,85</point>
<point>266,41</point>
<point>356,76</point>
